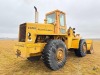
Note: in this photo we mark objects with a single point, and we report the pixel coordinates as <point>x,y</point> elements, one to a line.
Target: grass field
<point>10,65</point>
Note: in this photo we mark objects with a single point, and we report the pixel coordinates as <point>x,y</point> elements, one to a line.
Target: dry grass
<point>10,65</point>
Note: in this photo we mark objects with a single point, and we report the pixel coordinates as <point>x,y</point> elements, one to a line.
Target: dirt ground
<point>10,65</point>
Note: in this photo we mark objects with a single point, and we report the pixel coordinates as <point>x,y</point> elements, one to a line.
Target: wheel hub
<point>60,54</point>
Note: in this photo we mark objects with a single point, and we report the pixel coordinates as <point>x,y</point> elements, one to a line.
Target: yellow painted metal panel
<point>75,43</point>
<point>35,29</point>
<point>88,46</point>
<point>27,49</point>
<point>89,43</point>
<point>35,48</point>
<point>22,48</point>
<point>40,28</point>
<point>68,42</point>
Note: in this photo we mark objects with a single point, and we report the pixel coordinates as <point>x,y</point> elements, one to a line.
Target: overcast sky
<point>84,15</point>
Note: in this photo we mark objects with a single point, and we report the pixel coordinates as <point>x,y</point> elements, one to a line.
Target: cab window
<point>51,18</point>
<point>62,19</point>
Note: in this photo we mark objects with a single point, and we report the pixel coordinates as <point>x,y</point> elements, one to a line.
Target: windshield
<point>51,18</point>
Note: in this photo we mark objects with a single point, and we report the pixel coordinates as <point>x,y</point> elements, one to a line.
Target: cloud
<point>84,15</point>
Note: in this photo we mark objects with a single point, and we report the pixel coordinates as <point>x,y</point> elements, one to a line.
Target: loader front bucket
<point>90,49</point>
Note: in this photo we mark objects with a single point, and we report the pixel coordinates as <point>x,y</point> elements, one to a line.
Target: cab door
<point>62,23</point>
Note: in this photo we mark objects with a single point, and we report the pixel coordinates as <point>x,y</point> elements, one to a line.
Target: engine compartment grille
<point>22,32</point>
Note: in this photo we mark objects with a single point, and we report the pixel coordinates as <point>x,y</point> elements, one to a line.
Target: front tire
<point>82,50</point>
<point>54,54</point>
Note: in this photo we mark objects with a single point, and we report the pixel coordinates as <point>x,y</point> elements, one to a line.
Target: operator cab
<point>57,18</point>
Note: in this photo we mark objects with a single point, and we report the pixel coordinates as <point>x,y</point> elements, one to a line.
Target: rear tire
<point>82,50</point>
<point>51,54</point>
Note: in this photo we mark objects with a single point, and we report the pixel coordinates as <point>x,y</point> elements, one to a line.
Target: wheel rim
<point>60,55</point>
<point>84,48</point>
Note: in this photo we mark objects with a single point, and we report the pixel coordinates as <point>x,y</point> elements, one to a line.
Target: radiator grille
<point>22,33</point>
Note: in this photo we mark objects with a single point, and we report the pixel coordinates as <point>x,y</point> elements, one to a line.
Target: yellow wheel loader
<point>50,41</point>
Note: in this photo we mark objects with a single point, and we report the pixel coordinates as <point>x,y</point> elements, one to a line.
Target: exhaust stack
<point>36,15</point>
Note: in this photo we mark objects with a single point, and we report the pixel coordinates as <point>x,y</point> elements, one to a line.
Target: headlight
<point>29,34</point>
